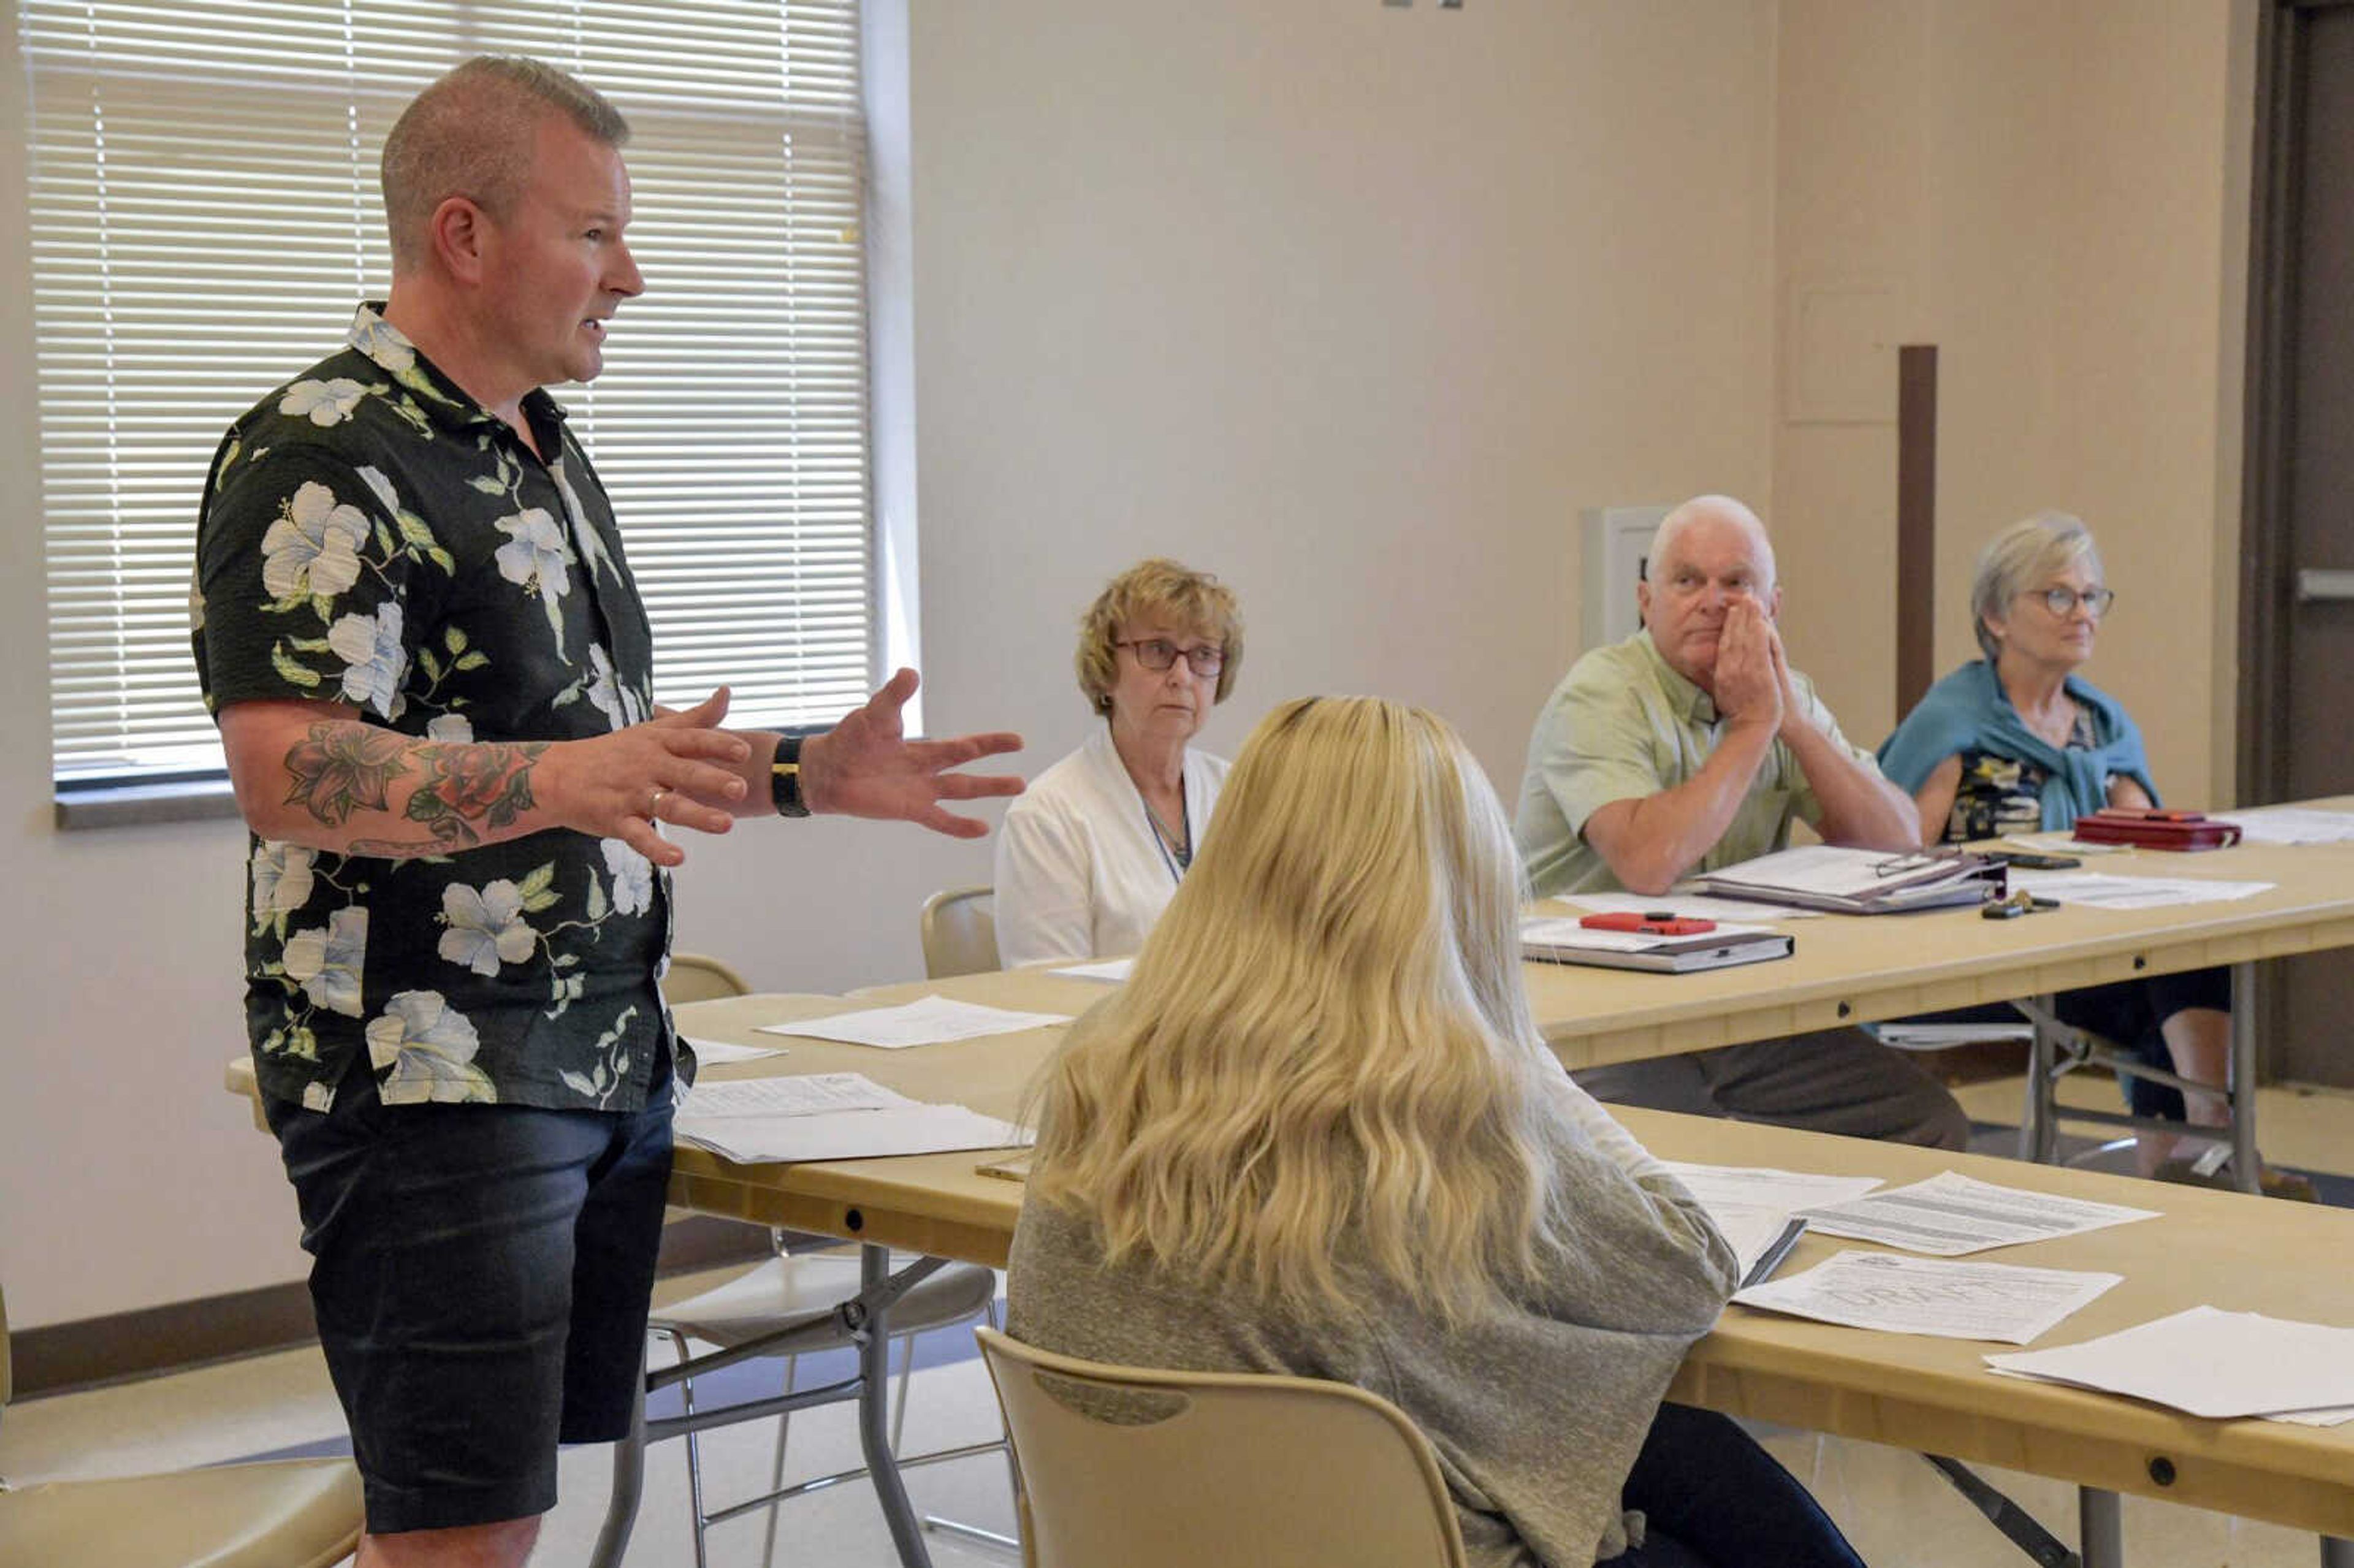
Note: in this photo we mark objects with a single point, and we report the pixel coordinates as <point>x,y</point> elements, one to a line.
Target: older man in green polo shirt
<point>1693,745</point>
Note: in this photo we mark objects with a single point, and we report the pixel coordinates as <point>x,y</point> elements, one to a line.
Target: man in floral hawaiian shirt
<point>433,677</point>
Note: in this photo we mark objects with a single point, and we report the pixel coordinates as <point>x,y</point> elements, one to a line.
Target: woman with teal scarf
<point>2017,742</point>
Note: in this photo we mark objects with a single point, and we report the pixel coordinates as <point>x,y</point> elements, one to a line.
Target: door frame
<point>2266,587</point>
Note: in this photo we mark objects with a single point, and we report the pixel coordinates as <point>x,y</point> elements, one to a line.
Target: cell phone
<point>1658,923</point>
<point>2035,862</point>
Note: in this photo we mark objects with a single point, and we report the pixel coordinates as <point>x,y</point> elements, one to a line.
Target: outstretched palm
<point>865,766</point>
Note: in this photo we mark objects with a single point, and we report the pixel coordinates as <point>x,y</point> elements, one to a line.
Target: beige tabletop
<point>1935,1395</point>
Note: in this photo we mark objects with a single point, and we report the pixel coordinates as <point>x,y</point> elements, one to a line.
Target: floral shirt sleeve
<point>371,536</point>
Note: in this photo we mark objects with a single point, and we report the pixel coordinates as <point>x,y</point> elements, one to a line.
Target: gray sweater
<point>1537,1408</point>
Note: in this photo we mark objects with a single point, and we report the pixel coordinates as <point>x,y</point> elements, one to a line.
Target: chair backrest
<point>959,932</point>
<point>697,977</point>
<point>1154,1469</point>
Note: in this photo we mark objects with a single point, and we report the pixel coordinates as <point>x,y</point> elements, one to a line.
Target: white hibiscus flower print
<point>452,730</point>
<point>604,690</point>
<point>326,961</point>
<point>380,487</point>
<point>196,603</point>
<point>281,882</point>
<point>313,547</point>
<point>536,556</point>
<point>486,928</point>
<point>324,403</point>
<point>429,1047</point>
<point>633,877</point>
<point>375,662</point>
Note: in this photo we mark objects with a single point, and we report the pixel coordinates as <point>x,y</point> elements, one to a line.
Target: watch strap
<point>785,779</point>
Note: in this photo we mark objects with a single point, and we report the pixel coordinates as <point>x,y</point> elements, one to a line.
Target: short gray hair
<point>1724,509</point>
<point>2029,549</point>
<point>469,135</point>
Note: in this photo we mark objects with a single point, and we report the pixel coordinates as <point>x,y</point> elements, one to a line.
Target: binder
<point>2151,828</point>
<point>1861,882</point>
<point>1558,940</point>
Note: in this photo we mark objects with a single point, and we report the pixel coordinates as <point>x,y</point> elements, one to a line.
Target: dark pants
<point>481,1277</point>
<point>1712,1498</point>
<point>2131,1012</point>
<point>1832,1080</point>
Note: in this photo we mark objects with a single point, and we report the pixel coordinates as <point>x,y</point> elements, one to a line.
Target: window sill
<point>128,805</point>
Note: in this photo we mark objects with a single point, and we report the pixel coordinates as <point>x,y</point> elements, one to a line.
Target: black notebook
<point>1562,940</point>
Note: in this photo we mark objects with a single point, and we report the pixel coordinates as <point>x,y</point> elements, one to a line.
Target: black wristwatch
<point>785,779</point>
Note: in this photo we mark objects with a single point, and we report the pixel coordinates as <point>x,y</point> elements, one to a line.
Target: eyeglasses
<point>2062,601</point>
<point>1156,653</point>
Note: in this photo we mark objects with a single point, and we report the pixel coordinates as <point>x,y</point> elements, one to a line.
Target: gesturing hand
<point>1747,686</point>
<point>865,766</point>
<point>618,785</point>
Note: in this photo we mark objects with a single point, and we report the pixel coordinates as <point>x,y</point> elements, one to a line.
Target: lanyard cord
<point>1161,836</point>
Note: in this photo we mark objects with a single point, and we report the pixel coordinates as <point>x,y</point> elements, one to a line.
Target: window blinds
<point>204,214</point>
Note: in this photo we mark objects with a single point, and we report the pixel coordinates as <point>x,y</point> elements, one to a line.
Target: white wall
<point>1356,306</point>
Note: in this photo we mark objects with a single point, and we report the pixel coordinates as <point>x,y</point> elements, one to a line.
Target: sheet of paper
<point>1112,969</point>
<point>1926,1035</point>
<point>801,1093</point>
<point>2098,891</point>
<point>2336,1415</point>
<point>1764,1187</point>
<point>1563,931</point>
<point>932,1021</point>
<point>1950,1214</point>
<point>2291,825</point>
<point>849,1135</point>
<point>2208,1361</point>
<point>711,1052</point>
<point>1916,1296</point>
<point>1828,869</point>
<point>1685,905</point>
<point>2061,842</point>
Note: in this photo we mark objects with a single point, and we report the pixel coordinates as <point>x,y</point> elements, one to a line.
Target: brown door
<point>2297,601</point>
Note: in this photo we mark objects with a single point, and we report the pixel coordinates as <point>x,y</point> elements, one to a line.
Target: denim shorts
<point>481,1277</point>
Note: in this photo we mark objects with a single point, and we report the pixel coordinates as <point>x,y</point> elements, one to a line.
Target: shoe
<point>2276,1183</point>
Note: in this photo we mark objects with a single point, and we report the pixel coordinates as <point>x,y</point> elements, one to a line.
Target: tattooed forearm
<point>343,766</point>
<point>482,781</point>
<point>463,789</point>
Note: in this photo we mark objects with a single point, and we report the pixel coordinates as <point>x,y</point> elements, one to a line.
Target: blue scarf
<point>1968,711</point>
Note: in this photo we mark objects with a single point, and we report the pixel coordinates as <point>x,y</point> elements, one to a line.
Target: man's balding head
<point>1723,510</point>
<point>471,134</point>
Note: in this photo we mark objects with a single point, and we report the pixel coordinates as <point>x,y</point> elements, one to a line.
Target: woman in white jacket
<point>1093,849</point>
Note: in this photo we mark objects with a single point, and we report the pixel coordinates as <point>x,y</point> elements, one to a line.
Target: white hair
<point>1723,509</point>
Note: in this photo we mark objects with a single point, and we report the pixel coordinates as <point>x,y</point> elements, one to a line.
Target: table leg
<point>2337,1552</point>
<point>628,1486</point>
<point>2246,1174</point>
<point>874,1417</point>
<point>2039,1129</point>
<point>2102,1528</point>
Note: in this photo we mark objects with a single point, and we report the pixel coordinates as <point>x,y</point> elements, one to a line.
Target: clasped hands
<point>1753,680</point>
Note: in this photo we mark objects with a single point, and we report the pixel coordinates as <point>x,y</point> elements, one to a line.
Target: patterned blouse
<point>1999,795</point>
<point>373,537</point>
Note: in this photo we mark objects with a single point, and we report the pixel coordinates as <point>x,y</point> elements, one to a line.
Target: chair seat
<point>786,1292</point>
<point>287,1513</point>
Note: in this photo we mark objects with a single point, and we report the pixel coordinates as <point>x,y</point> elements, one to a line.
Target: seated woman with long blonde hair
<point>1317,1133</point>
